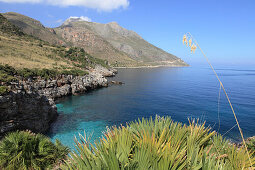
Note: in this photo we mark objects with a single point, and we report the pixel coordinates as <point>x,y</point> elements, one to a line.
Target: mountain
<point>21,50</point>
<point>111,42</point>
<point>33,27</point>
<point>81,35</point>
<point>125,41</point>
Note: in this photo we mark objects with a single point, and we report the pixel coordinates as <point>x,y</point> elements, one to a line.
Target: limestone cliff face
<point>21,111</point>
<point>30,104</point>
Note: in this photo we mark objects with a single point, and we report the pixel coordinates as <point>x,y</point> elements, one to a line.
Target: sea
<point>183,93</point>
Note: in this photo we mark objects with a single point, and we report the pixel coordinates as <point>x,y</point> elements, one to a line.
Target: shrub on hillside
<point>251,145</point>
<point>7,73</point>
<point>74,72</point>
<point>26,150</point>
<point>3,90</point>
<point>158,144</point>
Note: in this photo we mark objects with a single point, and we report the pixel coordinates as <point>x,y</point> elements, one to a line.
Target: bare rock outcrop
<point>20,111</point>
<point>30,103</point>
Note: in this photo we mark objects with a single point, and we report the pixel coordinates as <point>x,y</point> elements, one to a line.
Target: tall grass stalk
<point>187,37</point>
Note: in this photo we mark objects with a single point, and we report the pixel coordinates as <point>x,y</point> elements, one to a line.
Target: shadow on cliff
<point>26,111</point>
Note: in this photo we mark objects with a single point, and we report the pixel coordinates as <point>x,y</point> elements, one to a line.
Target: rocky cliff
<point>30,103</point>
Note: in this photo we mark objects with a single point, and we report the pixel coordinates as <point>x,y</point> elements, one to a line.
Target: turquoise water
<point>181,93</point>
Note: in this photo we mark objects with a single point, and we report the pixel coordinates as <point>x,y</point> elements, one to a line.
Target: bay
<point>182,93</point>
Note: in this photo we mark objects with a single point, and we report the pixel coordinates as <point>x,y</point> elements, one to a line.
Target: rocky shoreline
<point>30,104</point>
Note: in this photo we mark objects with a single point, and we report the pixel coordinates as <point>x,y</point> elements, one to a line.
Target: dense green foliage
<point>7,73</point>
<point>25,150</point>
<point>3,90</point>
<point>158,144</point>
<point>79,55</point>
<point>251,145</point>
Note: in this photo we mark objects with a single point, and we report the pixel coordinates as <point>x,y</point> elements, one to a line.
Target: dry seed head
<point>184,40</point>
<point>190,42</point>
<point>193,48</point>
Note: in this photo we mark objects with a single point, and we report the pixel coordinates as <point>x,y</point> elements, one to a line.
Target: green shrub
<point>3,89</point>
<point>158,144</point>
<point>251,145</point>
<point>44,73</point>
<point>83,59</point>
<point>4,77</point>
<point>74,72</point>
<point>25,150</point>
<point>7,69</point>
<point>7,73</point>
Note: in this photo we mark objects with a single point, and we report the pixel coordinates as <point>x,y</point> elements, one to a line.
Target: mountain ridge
<point>119,46</point>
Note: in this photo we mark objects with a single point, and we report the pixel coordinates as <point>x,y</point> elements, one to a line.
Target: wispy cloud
<point>100,5</point>
<point>81,18</point>
<point>21,1</point>
<point>59,21</point>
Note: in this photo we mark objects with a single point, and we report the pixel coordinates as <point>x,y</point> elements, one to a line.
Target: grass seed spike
<point>186,38</point>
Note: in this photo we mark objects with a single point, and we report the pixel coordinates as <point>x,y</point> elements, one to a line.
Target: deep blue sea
<point>182,93</point>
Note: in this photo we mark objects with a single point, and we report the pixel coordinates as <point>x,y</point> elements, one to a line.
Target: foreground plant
<point>158,144</point>
<point>26,150</point>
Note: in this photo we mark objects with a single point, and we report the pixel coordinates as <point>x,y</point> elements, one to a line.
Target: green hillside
<point>20,50</point>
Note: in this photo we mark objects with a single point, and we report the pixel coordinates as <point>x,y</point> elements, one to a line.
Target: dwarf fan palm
<point>158,144</point>
<point>26,150</point>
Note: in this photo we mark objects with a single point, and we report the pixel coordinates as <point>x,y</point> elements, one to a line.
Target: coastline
<point>156,66</point>
<point>31,104</point>
<point>51,100</point>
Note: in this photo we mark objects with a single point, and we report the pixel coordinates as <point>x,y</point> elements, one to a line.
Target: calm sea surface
<point>181,93</point>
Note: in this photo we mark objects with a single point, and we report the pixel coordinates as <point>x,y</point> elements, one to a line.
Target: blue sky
<point>223,28</point>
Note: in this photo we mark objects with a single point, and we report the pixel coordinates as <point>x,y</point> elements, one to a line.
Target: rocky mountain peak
<point>76,19</point>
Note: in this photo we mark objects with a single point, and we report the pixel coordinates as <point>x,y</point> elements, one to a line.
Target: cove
<point>181,93</point>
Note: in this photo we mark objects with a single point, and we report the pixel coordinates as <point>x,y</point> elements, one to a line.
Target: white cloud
<point>101,5</point>
<point>76,19</point>
<point>81,18</point>
<point>22,1</point>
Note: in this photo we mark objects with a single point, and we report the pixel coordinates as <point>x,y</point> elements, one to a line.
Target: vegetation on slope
<point>31,56</point>
<point>26,150</point>
<point>24,56</point>
<point>158,144</point>
<point>9,74</point>
<point>7,27</point>
<point>111,42</point>
<point>81,57</point>
<point>33,27</point>
<point>251,144</point>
